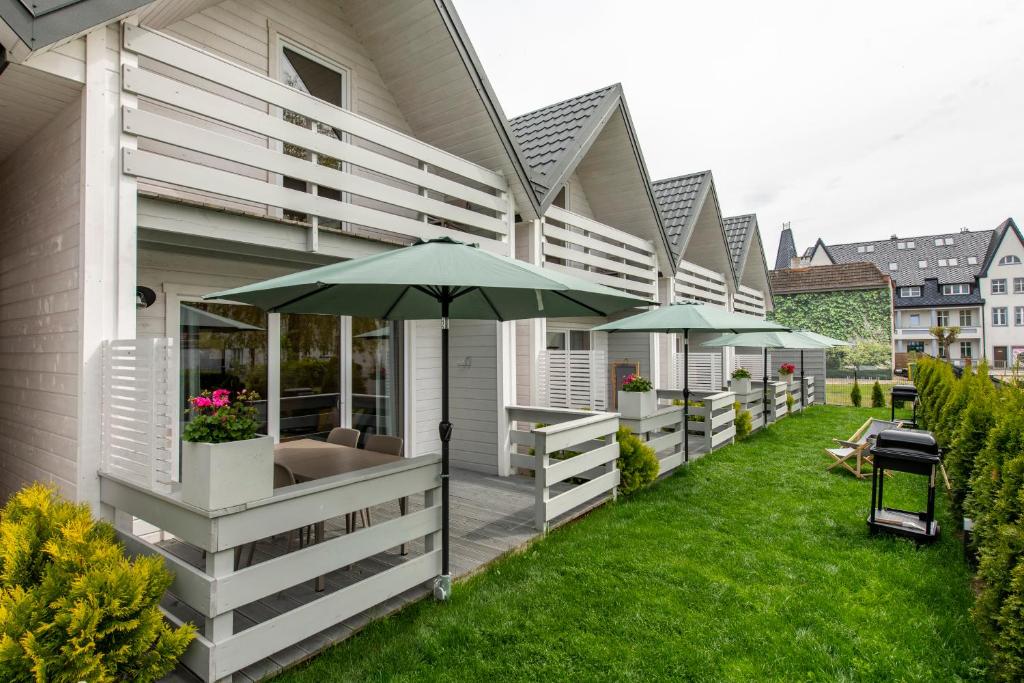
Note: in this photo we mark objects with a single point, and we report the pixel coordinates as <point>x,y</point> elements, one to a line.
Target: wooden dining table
<point>310,459</point>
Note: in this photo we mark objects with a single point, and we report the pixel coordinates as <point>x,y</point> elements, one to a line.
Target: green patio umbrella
<point>683,317</point>
<point>772,340</point>
<point>831,341</point>
<point>438,279</point>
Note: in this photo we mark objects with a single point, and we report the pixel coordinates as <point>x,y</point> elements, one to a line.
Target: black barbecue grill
<point>904,392</point>
<point>915,452</point>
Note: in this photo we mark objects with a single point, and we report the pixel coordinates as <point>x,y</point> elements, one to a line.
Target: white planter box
<point>785,379</point>
<point>740,387</point>
<point>635,405</point>
<point>220,475</point>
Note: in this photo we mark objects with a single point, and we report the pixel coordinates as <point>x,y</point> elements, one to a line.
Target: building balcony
<point>200,128</point>
<point>583,247</point>
<point>925,333</point>
<point>696,283</point>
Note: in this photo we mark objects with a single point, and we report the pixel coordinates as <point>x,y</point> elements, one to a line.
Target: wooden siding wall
<point>474,394</point>
<point>525,365</point>
<point>578,202</point>
<point>426,386</point>
<point>39,307</point>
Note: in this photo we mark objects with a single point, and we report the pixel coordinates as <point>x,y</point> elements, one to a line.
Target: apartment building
<point>971,279</point>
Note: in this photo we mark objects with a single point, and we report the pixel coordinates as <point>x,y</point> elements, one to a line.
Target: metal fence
<point>840,383</point>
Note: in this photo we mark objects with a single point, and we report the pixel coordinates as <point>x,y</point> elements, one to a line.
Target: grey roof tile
<point>787,250</point>
<point>931,295</point>
<point>43,23</point>
<point>738,232</point>
<point>908,272</point>
<point>549,136</point>
<point>993,246</point>
<point>677,200</point>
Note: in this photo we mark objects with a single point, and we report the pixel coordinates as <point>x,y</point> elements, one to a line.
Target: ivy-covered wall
<point>856,315</point>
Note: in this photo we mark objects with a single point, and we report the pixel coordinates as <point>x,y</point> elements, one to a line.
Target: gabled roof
<point>832,278</point>
<point>680,200</point>
<point>787,250</point>
<point>739,232</point>
<point>968,243</point>
<point>809,253</point>
<point>997,239</point>
<point>554,141</point>
<point>554,138</point>
<point>39,23</point>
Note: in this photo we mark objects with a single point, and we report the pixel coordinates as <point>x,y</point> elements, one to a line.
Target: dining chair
<point>282,477</point>
<point>344,436</point>
<point>390,445</point>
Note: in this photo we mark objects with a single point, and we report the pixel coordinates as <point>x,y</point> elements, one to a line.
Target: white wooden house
<point>153,152</point>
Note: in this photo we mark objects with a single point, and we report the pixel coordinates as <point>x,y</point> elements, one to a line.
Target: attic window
<point>1009,260</point>
<point>901,245</point>
<point>910,244</point>
<point>922,264</point>
<point>949,241</point>
<point>942,263</point>
<point>972,260</point>
<point>893,265</point>
<point>953,262</point>
<point>938,241</point>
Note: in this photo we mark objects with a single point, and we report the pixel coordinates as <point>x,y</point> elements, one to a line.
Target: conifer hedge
<point>980,427</point>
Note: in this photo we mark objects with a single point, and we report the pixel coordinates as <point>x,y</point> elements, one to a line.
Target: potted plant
<point>786,371</point>
<point>224,462</point>
<point>637,398</point>
<point>740,383</point>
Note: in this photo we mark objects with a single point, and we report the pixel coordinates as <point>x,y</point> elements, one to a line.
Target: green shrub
<point>744,421</point>
<point>637,463</point>
<point>877,397</point>
<point>969,430</point>
<point>790,402</point>
<point>855,394</point>
<point>72,606</point>
<point>956,402</point>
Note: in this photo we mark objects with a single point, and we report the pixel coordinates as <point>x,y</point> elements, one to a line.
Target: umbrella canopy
<point>439,279</point>
<point>773,340</point>
<point>412,284</point>
<point>769,340</point>
<point>683,317</point>
<point>687,316</point>
<point>831,341</point>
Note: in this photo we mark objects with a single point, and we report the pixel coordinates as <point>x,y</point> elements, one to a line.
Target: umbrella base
<point>443,587</point>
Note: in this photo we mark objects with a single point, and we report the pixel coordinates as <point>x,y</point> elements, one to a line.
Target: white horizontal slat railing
<point>573,379</point>
<point>219,588</point>
<point>586,248</point>
<point>696,283</point>
<point>381,180</point>
<point>572,457</point>
<point>749,300</point>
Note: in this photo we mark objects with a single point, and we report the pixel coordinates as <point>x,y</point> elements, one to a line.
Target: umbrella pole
<point>764,382</point>
<point>803,398</point>
<point>686,395</point>
<point>443,585</point>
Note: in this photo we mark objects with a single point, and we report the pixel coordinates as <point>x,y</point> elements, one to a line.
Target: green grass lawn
<point>752,564</point>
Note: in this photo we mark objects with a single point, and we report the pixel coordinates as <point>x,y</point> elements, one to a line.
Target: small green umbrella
<point>773,340</point>
<point>682,317</point>
<point>831,341</point>
<point>438,279</point>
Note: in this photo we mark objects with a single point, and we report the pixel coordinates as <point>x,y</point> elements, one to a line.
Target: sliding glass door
<point>375,374</point>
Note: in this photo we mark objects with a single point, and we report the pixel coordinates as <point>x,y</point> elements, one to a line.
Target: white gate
<point>573,379</point>
<point>139,412</point>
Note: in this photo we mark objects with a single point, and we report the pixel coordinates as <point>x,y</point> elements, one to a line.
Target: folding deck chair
<point>856,448</point>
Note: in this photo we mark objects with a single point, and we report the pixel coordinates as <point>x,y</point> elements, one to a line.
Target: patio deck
<point>490,516</point>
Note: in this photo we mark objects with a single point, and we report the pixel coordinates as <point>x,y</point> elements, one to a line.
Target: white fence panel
<point>139,413</point>
<point>705,371</point>
<point>573,379</point>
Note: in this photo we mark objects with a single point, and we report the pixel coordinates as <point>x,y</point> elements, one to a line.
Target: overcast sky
<point>850,120</point>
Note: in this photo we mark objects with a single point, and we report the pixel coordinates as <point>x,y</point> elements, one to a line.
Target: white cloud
<point>853,121</point>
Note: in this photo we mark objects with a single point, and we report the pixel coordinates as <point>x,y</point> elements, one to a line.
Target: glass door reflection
<point>310,376</point>
<point>374,375</point>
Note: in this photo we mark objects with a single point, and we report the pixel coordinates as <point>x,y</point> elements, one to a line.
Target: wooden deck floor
<point>490,516</point>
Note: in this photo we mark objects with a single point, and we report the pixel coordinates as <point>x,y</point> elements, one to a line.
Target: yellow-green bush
<point>744,421</point>
<point>637,463</point>
<point>72,606</point>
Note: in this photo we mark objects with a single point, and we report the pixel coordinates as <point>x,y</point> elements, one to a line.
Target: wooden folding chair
<point>857,447</point>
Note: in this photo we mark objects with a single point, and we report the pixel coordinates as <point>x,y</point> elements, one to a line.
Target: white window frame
<point>893,265</point>
<point>281,40</point>
<point>1018,316</point>
<point>1001,283</point>
<point>970,318</point>
<point>1010,260</point>
<point>923,263</point>
<point>1005,315</point>
<point>958,289</point>
<point>1018,285</point>
<point>910,292</point>
<point>972,260</point>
